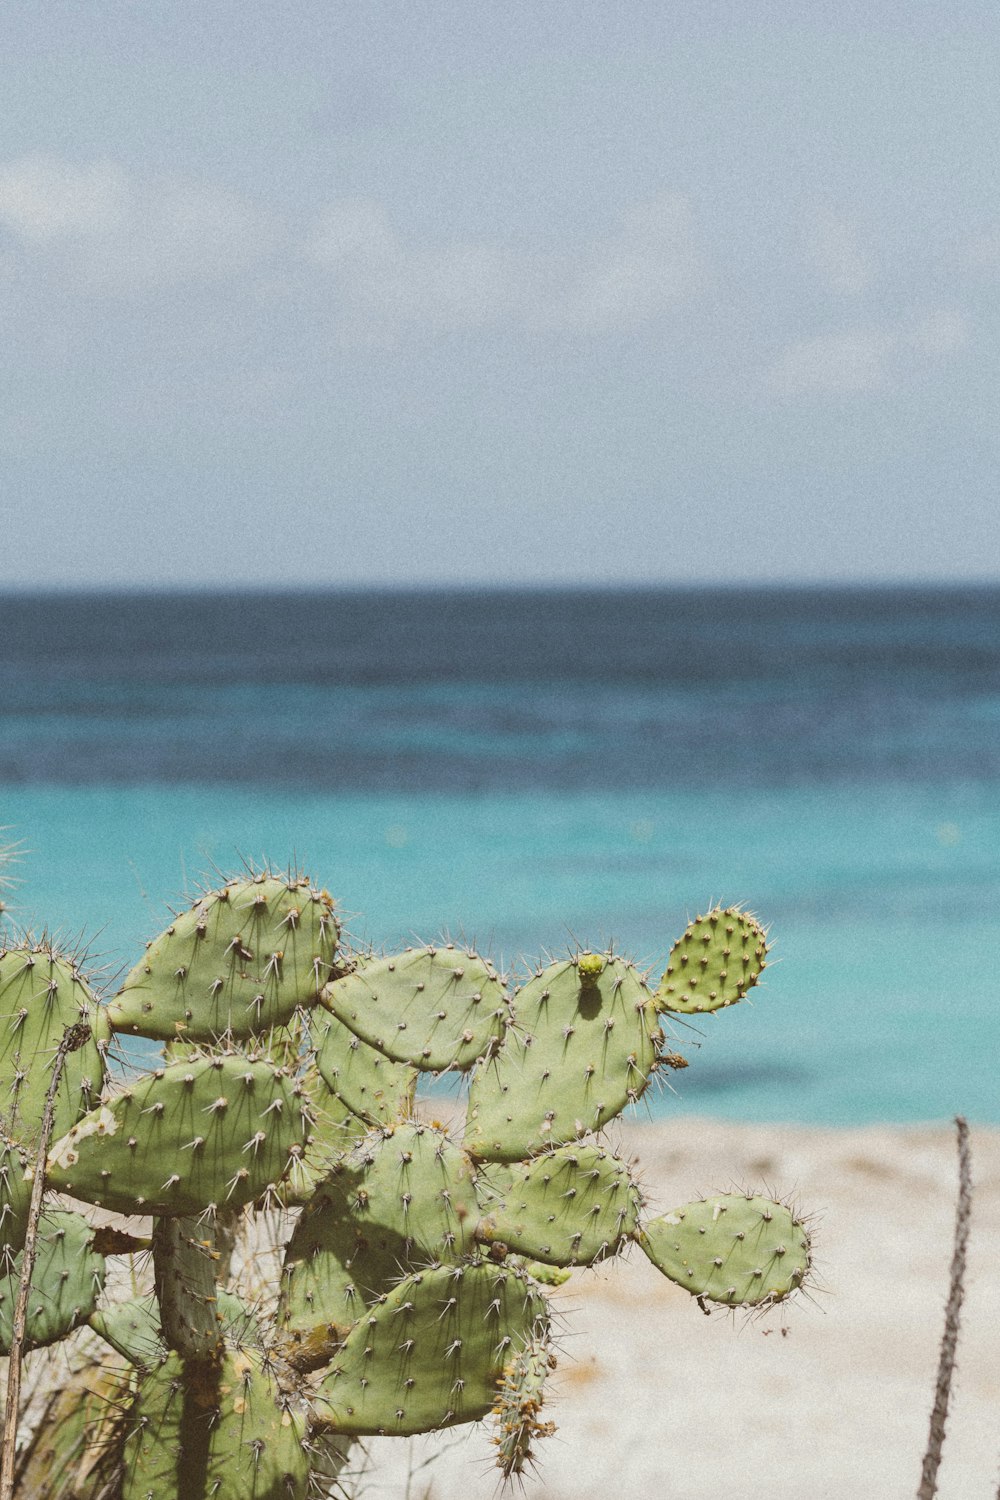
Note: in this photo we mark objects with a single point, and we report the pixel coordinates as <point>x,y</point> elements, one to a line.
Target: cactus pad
<point>401,1195</point>
<point>240,1441</point>
<point>240,961</point>
<point>741,1250</point>
<point>371,1085</point>
<point>66,1280</point>
<point>431,1354</point>
<point>435,1008</point>
<point>719,958</point>
<point>583,1046</point>
<point>216,1130</point>
<point>568,1207</point>
<point>41,993</point>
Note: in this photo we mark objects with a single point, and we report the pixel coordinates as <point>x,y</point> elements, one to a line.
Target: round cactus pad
<point>742,1251</point>
<point>66,1281</point>
<point>432,1352</point>
<point>241,1441</point>
<point>215,1130</point>
<point>371,1085</point>
<point>719,958</point>
<point>583,1046</point>
<point>403,1195</point>
<point>237,963</point>
<point>568,1207</point>
<point>41,994</point>
<point>435,1008</point>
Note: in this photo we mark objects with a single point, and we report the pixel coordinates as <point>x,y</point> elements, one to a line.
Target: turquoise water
<point>883,899</point>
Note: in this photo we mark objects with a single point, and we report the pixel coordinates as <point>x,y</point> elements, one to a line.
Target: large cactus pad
<point>237,963</point>
<point>215,1130</point>
<point>737,1249</point>
<point>240,1442</point>
<point>432,1353</point>
<point>568,1207</point>
<point>435,1008</point>
<point>582,1047</point>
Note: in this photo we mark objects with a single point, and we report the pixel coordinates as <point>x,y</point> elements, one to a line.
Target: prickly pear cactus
<point>300,1258</point>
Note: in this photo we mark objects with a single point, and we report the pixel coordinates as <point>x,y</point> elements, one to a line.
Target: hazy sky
<point>429,292</point>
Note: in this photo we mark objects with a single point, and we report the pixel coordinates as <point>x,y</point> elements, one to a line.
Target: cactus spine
<point>406,1275</point>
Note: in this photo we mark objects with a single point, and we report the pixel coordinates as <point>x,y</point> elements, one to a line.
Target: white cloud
<point>616,282</point>
<point>834,249</point>
<point>864,359</point>
<point>942,331</point>
<point>101,228</point>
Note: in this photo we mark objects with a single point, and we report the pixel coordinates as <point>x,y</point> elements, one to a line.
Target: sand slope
<point>828,1399</point>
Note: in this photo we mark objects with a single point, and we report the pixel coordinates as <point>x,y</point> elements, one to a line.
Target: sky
<point>568,292</point>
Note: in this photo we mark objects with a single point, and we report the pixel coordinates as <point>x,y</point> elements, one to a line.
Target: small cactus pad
<point>519,1400</point>
<point>739,1250</point>
<point>719,958</point>
<point>41,994</point>
<point>237,963</point>
<point>583,1047</point>
<point>435,1008</point>
<point>371,1085</point>
<point>568,1207</point>
<point>239,1441</point>
<point>401,1195</point>
<point>15,1195</point>
<point>432,1352</point>
<point>215,1130</point>
<point>66,1281</point>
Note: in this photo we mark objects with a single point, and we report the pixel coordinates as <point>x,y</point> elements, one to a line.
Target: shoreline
<point>828,1395</point>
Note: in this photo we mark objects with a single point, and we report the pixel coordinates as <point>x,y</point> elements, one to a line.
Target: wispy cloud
<point>864,359</point>
<point>106,229</point>
<point>616,282</point>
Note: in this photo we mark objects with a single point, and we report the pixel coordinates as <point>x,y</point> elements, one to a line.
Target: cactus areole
<point>312,1260</point>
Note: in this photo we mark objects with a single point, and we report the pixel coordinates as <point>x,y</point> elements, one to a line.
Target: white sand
<point>826,1399</point>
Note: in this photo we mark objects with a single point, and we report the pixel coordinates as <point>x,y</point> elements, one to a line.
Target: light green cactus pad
<point>371,1085</point>
<point>214,1130</point>
<point>66,1281</point>
<point>402,1195</point>
<point>568,1207</point>
<point>237,963</point>
<point>334,1131</point>
<point>719,958</point>
<point>41,994</point>
<point>742,1251</point>
<point>582,1048</point>
<point>240,1441</point>
<point>435,1008</point>
<point>432,1353</point>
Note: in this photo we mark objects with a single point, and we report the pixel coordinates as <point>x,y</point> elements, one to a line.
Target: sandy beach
<point>827,1398</point>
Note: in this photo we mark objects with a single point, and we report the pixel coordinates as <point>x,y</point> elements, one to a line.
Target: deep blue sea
<point>537,770</point>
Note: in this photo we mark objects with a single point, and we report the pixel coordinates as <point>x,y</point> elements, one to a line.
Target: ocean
<point>541,770</point>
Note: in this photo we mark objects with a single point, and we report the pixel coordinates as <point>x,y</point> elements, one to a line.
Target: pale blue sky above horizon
<point>442,293</point>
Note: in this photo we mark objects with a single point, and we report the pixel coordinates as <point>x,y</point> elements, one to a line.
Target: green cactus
<point>325,1265</point>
